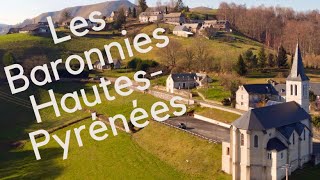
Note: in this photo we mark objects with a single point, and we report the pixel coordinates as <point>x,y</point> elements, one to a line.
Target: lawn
<point>215,92</point>
<point>120,157</point>
<point>309,172</point>
<point>217,114</point>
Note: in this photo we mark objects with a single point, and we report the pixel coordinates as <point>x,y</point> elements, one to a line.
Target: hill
<point>4,28</point>
<point>201,8</point>
<point>105,8</point>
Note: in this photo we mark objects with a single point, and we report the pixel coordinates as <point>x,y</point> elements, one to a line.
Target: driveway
<point>202,128</point>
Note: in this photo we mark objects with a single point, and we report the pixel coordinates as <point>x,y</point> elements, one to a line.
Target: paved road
<point>203,128</point>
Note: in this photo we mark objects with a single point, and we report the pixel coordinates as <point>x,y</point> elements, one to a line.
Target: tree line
<point>277,26</point>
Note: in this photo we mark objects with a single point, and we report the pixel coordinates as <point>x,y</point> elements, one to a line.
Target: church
<point>272,141</point>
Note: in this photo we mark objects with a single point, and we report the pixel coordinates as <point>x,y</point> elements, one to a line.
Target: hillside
<point>105,8</point>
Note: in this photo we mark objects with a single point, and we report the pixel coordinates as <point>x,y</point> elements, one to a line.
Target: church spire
<point>297,70</point>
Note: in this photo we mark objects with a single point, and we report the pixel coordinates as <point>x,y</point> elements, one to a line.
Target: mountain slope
<point>105,8</point>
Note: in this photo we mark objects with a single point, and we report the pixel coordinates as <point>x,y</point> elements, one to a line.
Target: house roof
<point>297,70</point>
<point>275,144</point>
<point>173,15</point>
<point>153,13</point>
<point>180,28</point>
<point>270,117</point>
<point>260,89</point>
<point>31,27</point>
<point>183,77</point>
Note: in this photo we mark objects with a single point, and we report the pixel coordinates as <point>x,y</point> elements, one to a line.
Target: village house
<point>193,27</point>
<point>267,141</point>
<point>174,18</point>
<point>35,29</point>
<point>112,16</point>
<point>117,64</point>
<point>255,95</point>
<point>147,17</point>
<point>13,30</point>
<point>218,25</point>
<point>186,81</point>
<point>182,31</point>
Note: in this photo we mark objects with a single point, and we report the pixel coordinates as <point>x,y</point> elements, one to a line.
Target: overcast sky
<point>15,11</point>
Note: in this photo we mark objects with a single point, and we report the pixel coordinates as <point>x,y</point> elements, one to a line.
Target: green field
<point>217,114</point>
<point>124,156</point>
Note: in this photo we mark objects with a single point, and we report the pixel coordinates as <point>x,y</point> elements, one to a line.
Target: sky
<point>15,11</point>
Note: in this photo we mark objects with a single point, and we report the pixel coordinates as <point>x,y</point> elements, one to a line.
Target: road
<point>202,128</point>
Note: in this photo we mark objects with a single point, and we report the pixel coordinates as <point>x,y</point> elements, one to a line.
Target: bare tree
<point>170,56</point>
<point>189,59</point>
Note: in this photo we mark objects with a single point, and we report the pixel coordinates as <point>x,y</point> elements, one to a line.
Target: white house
<point>186,81</point>
<point>154,16</point>
<point>182,31</point>
<point>181,81</point>
<point>266,141</point>
<point>255,95</point>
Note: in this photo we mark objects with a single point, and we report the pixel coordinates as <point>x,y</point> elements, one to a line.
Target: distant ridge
<point>105,8</point>
<point>201,8</point>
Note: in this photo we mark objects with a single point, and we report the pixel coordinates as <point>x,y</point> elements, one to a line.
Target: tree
<point>134,13</point>
<point>143,5</point>
<point>189,59</point>
<point>120,19</point>
<point>129,12</point>
<point>8,59</point>
<point>170,55</point>
<point>240,67</point>
<point>179,6</point>
<point>262,57</point>
<point>271,60</point>
<point>250,59</point>
<point>282,57</point>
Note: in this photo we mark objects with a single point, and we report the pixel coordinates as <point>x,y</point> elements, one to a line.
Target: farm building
<point>182,31</point>
<point>154,16</point>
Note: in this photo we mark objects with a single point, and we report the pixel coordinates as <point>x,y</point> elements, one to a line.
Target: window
<point>242,139</point>
<point>304,134</point>
<point>256,141</point>
<point>296,89</point>
<point>293,138</point>
<point>291,89</point>
<point>282,155</point>
<point>269,156</point>
<point>241,103</point>
<point>228,151</point>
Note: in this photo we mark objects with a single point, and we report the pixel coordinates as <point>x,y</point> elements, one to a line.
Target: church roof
<point>270,117</point>
<point>287,131</point>
<point>275,144</point>
<point>297,70</point>
<point>260,89</point>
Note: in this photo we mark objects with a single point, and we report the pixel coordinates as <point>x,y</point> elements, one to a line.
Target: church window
<point>228,151</point>
<point>242,139</point>
<point>296,90</point>
<point>304,134</point>
<point>293,138</point>
<point>291,89</point>
<point>269,156</point>
<point>256,141</point>
<point>282,155</point>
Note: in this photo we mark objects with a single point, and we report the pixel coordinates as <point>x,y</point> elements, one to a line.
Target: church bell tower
<point>297,83</point>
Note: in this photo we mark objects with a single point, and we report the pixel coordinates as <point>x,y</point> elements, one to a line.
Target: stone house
<point>147,17</point>
<point>182,31</point>
<point>186,81</point>
<point>218,25</point>
<point>35,29</point>
<point>175,18</point>
<point>255,95</point>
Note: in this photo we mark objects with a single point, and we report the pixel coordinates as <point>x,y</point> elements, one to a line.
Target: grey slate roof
<point>287,131</point>
<point>275,144</point>
<point>297,70</point>
<point>184,77</point>
<point>270,117</point>
<point>180,28</point>
<point>260,89</point>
